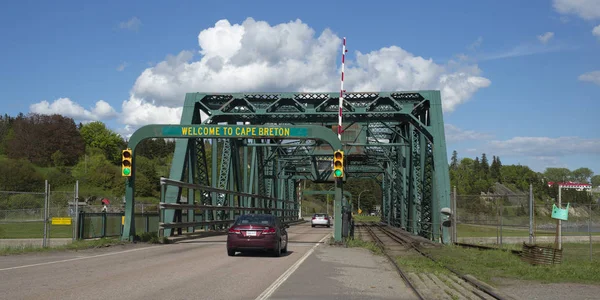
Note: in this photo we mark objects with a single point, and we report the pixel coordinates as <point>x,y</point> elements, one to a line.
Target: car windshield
<point>320,215</point>
<point>266,220</point>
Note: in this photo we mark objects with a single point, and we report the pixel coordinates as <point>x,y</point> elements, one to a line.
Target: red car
<point>261,232</point>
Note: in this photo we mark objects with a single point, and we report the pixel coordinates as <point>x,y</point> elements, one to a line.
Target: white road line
<point>271,289</point>
<point>77,258</point>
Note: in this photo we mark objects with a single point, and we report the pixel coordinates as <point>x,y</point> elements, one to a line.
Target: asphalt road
<point>193,269</point>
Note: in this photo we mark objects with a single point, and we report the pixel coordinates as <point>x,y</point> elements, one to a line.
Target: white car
<point>321,220</point>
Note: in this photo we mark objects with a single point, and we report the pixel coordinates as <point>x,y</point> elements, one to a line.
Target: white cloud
<point>455,134</point>
<point>586,9</point>
<point>132,24</point>
<point>122,66</point>
<point>596,31</point>
<point>525,50</point>
<point>545,146</point>
<point>64,106</point>
<point>593,77</point>
<point>141,113</point>
<point>546,37</point>
<point>476,44</point>
<point>255,56</point>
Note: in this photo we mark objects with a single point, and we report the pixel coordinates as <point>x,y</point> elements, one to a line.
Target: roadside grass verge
<point>492,266</point>
<point>32,230</point>
<point>77,245</point>
<point>488,265</point>
<point>412,261</point>
<point>354,243</point>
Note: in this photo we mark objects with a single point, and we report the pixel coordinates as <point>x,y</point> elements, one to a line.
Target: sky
<point>519,79</point>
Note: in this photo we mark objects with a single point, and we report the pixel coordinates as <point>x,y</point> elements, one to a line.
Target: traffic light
<point>126,163</point>
<point>338,164</point>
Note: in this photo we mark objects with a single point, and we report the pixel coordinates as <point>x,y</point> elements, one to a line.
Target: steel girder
<point>398,136</point>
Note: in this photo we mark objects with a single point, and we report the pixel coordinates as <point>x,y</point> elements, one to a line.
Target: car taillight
<point>325,218</point>
<point>234,231</point>
<point>269,231</point>
<point>314,218</point>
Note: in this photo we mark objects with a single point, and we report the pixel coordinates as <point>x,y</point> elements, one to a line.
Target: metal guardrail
<point>291,217</point>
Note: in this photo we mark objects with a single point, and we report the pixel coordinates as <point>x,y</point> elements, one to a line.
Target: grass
<point>417,263</point>
<point>487,265</point>
<point>24,230</point>
<point>351,243</point>
<point>490,265</point>
<point>358,218</point>
<point>77,245</point>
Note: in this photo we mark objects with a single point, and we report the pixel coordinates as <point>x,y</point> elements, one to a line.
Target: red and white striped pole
<point>342,91</point>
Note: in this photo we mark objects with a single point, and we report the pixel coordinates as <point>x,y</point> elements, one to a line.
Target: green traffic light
<point>338,173</point>
<point>126,171</point>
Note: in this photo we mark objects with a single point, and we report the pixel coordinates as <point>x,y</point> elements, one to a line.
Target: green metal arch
<point>195,131</point>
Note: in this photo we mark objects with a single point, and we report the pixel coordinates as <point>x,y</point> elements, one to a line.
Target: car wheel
<point>284,250</point>
<point>277,250</point>
<point>230,252</point>
<point>312,225</point>
<point>328,226</point>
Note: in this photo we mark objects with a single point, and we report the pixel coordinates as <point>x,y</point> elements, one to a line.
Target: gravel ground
<point>548,291</point>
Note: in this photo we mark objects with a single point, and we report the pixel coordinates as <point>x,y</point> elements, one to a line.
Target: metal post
<point>590,231</point>
<point>501,220</point>
<point>454,229</point>
<point>497,221</point>
<point>559,229</point>
<point>530,213</point>
<point>45,213</point>
<point>337,211</point>
<point>76,205</point>
<point>48,217</point>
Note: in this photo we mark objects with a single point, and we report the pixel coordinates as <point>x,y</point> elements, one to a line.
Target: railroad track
<point>426,285</point>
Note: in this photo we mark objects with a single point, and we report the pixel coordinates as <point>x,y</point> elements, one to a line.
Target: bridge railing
<point>284,209</point>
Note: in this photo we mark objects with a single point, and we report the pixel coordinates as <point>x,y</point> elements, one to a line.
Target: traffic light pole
<point>337,208</point>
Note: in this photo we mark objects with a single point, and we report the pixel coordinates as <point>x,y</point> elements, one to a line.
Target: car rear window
<point>320,215</point>
<point>255,220</point>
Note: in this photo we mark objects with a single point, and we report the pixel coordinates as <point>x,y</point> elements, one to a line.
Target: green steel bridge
<point>264,144</point>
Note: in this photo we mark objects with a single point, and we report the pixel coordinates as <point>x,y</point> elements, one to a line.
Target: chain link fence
<point>26,218</point>
<point>507,219</point>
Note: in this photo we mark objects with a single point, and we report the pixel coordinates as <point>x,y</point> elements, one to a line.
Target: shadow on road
<point>261,254</point>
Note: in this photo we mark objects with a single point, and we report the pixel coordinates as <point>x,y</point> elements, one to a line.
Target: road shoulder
<point>349,273</point>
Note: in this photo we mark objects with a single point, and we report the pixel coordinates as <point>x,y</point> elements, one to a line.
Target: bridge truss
<point>396,138</point>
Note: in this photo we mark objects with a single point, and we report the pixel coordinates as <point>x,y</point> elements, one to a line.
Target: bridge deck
<point>189,269</point>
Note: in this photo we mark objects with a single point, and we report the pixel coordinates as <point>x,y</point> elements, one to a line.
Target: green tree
<point>20,175</point>
<point>96,171</point>
<point>97,135</point>
<point>595,180</point>
<point>557,174</point>
<point>147,168</point>
<point>495,169</point>
<point>454,160</point>
<point>582,175</point>
<point>36,137</point>
<point>5,128</point>
<point>485,164</point>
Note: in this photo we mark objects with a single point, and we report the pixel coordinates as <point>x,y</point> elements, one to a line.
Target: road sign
<point>233,131</point>
<point>122,220</point>
<point>61,221</point>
